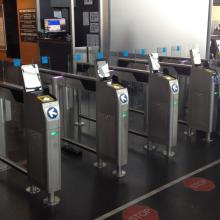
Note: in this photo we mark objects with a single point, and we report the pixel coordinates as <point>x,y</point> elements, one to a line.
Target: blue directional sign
<point>123,98</point>
<point>175,88</point>
<point>78,57</point>
<point>164,49</point>
<point>16,62</point>
<point>125,53</point>
<point>143,52</point>
<point>52,113</point>
<point>100,55</point>
<point>178,48</point>
<point>44,59</point>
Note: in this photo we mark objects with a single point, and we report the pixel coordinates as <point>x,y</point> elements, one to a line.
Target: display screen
<point>103,69</point>
<point>55,25</point>
<point>31,78</point>
<point>195,56</point>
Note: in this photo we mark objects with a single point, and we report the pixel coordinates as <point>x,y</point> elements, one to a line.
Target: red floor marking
<point>140,212</point>
<point>199,184</point>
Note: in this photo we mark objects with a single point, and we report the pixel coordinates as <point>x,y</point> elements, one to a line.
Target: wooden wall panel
<point>2,53</point>
<point>29,51</point>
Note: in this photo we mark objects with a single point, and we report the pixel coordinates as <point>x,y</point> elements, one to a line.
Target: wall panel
<point>29,51</point>
<point>159,23</point>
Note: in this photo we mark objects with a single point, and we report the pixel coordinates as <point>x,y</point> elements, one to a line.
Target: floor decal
<point>140,212</point>
<point>199,184</point>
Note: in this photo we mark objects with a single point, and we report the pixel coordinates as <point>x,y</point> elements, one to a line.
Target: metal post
<point>55,86</point>
<point>104,8</point>
<point>146,108</point>
<point>208,137</point>
<point>38,15</point>
<point>72,14</point>
<point>3,166</point>
<point>52,200</point>
<point>209,30</point>
<point>119,172</point>
<point>76,93</point>
<point>77,112</point>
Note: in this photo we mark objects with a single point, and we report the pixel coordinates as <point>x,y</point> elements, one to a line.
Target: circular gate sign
<point>199,184</point>
<point>140,212</point>
<point>123,98</point>
<point>52,113</point>
<point>175,88</point>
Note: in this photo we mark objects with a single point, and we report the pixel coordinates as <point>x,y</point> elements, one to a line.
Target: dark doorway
<point>11,26</point>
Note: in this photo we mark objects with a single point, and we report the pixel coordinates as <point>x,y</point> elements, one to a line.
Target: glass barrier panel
<point>12,72</point>
<point>43,61</point>
<point>141,53</point>
<point>93,53</point>
<point>2,70</point>
<point>79,113</point>
<point>113,60</point>
<point>12,132</point>
<point>176,51</point>
<point>162,51</point>
<point>81,63</point>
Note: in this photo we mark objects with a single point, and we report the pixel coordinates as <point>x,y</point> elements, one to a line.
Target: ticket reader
<point>163,109</point>
<point>112,120</point>
<point>42,124</point>
<point>203,97</point>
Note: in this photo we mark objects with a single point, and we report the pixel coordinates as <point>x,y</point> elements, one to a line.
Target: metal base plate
<point>100,165</point>
<point>208,140</point>
<point>119,174</point>
<point>54,202</point>
<point>149,147</point>
<point>171,154</point>
<point>189,134</point>
<point>159,149</point>
<point>33,190</point>
<point>79,124</point>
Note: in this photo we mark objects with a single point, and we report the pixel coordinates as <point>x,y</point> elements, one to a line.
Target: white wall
<point>150,24</point>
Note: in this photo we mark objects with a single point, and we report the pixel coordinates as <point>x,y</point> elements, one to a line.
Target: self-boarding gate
<point>203,97</point>
<point>162,109</point>
<point>112,120</point>
<point>42,124</point>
